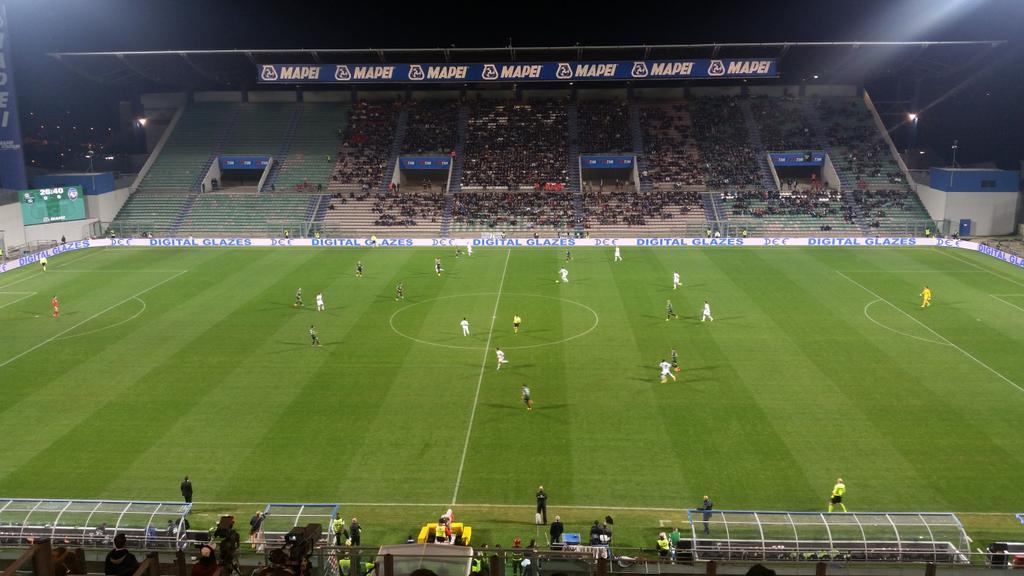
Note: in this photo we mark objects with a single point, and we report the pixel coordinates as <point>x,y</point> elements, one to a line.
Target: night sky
<point>985,116</point>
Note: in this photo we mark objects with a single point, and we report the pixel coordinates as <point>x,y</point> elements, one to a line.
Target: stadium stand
<point>153,212</point>
<point>781,124</point>
<point>723,142</point>
<point>362,213</point>
<point>432,128</point>
<point>604,127</point>
<point>366,145</point>
<point>513,212</point>
<point>621,212</point>
<point>857,149</point>
<point>515,145</point>
<point>800,212</point>
<point>308,158</point>
<point>671,151</point>
<point>222,214</point>
<point>190,149</point>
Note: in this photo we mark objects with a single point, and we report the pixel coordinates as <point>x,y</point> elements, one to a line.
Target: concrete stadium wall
<point>990,213</point>
<point>225,96</point>
<point>99,207</point>
<point>546,94</point>
<point>774,91</point>
<point>715,90</point>
<point>276,96</point>
<point>660,93</point>
<point>339,96</point>
<point>601,94</point>
<point>843,90</point>
<point>435,94</point>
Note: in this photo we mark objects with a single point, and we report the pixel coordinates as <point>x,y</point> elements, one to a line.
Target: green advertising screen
<point>47,205</point>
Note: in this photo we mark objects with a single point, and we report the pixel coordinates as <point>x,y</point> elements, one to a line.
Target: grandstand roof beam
<point>213,77</point>
<point>316,56</point>
<point>124,60</point>
<point>380,54</point>
<point>990,43</point>
<point>714,52</point>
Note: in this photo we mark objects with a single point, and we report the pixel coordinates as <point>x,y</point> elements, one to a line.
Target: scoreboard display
<point>48,205</point>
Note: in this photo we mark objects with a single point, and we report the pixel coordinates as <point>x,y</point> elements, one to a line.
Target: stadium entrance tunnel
<point>547,321</point>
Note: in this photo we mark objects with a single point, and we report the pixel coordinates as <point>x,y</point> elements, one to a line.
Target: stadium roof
<point>833,62</point>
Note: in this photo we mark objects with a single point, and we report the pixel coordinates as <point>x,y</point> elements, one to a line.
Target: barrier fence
<point>385,243</point>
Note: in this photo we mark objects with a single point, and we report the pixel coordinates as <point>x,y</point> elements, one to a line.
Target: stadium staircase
<point>313,146</point>
<point>847,181</point>
<point>455,185</point>
<point>396,149</point>
<point>186,209</point>
<point>222,138</point>
<point>714,209</point>
<point>754,138</point>
<point>155,212</point>
<point>283,149</point>
<point>638,146</point>
<point>573,168</point>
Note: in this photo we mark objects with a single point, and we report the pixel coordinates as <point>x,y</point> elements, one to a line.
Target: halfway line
<point>94,316</point>
<point>925,326</point>
<point>480,380</point>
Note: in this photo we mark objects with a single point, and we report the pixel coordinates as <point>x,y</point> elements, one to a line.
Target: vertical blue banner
<point>12,160</point>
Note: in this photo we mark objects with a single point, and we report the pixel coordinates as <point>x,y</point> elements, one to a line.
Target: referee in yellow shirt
<point>516,321</point>
<point>837,495</point>
<point>926,297</point>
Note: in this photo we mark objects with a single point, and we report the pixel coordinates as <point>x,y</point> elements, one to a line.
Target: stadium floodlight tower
<point>891,537</point>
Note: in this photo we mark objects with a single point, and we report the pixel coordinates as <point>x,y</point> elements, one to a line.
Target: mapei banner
<point>518,71</point>
<point>12,160</point>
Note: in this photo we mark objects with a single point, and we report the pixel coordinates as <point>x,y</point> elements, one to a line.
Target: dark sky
<point>40,26</point>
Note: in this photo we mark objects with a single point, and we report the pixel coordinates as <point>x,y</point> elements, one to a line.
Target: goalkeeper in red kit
<point>56,306</point>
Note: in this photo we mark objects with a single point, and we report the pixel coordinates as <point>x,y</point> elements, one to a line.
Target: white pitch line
<point>891,329</point>
<point>940,336</point>
<point>520,506</point>
<point>94,316</point>
<point>27,295</point>
<point>31,276</point>
<point>480,380</point>
<point>992,295</point>
<point>979,267</point>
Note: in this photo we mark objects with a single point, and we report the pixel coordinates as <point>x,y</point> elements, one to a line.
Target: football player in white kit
<point>319,302</point>
<point>501,357</point>
<point>618,255</point>
<point>707,312</point>
<point>676,283</point>
<point>465,327</point>
<point>565,274</point>
<point>666,371</point>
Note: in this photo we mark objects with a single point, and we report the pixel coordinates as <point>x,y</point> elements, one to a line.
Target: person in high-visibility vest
<point>338,525</point>
<point>663,545</point>
<point>837,495</point>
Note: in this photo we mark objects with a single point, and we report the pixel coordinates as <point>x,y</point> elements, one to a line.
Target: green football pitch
<point>819,364</point>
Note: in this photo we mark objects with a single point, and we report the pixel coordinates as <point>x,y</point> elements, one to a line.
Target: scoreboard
<point>47,205</point>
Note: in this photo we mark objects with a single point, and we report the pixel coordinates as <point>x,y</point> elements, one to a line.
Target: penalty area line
<point>939,336</point>
<point>93,317</point>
